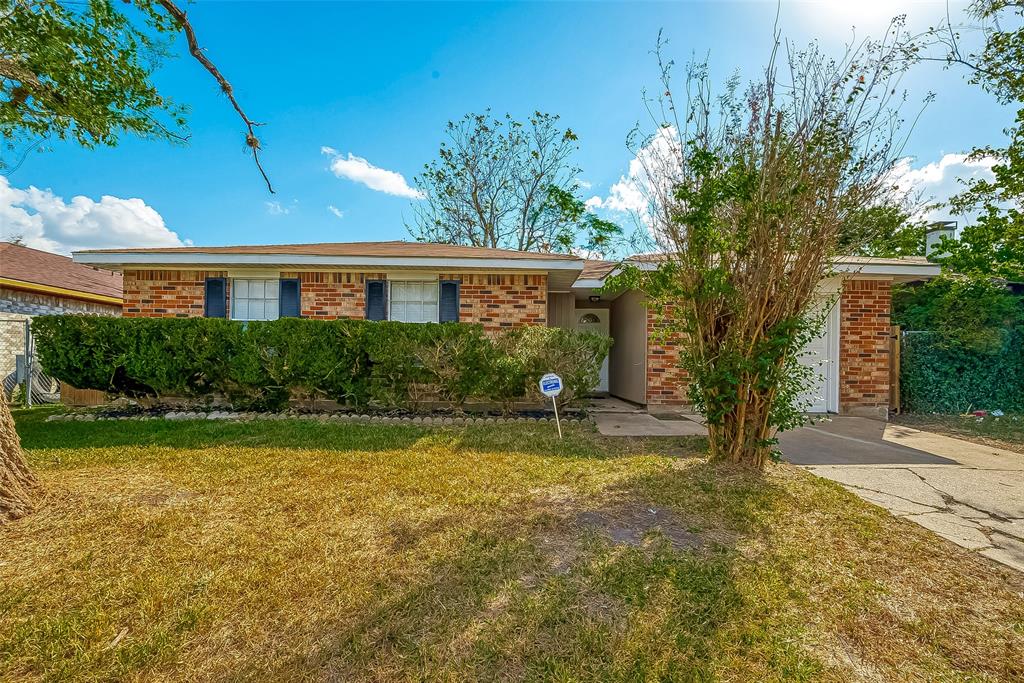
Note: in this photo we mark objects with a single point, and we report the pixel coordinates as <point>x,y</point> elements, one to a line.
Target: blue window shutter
<point>376,300</point>
<point>448,310</point>
<point>215,299</point>
<point>290,298</point>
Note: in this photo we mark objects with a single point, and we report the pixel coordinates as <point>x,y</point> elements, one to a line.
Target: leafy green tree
<point>82,71</point>
<point>884,231</point>
<point>972,312</point>
<point>995,244</point>
<point>502,183</point>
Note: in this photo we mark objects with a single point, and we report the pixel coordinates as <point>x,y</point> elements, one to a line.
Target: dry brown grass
<point>399,554</point>
<point>1006,432</point>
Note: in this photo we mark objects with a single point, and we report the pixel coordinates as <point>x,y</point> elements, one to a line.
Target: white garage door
<point>822,355</point>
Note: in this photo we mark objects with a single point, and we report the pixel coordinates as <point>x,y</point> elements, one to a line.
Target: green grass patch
<point>296,550</point>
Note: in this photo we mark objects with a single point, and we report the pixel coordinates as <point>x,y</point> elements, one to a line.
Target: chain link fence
<point>21,379</point>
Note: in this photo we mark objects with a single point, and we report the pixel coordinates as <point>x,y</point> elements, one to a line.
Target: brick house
<point>500,289</point>
<point>34,282</point>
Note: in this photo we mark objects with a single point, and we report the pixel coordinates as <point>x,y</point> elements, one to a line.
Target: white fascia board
<point>153,260</point>
<point>918,269</point>
<point>881,269</point>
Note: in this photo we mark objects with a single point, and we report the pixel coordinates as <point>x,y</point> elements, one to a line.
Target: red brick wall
<point>501,301</point>
<point>165,293</point>
<point>329,295</point>
<point>666,381</point>
<point>864,332</point>
<point>498,301</point>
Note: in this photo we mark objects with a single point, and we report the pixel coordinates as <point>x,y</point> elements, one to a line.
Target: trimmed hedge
<point>260,365</point>
<point>937,376</point>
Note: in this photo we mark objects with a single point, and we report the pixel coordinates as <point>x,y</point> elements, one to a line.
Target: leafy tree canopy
<point>994,245</point>
<point>82,71</point>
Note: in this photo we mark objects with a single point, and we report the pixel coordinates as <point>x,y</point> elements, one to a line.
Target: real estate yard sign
<point>551,385</point>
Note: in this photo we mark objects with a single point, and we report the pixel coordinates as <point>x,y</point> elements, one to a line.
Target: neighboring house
<point>34,282</point>
<point>500,289</point>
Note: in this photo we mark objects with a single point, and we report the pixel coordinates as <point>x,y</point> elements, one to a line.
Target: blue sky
<point>380,80</point>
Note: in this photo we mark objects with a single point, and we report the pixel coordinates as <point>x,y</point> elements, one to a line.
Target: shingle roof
<point>596,270</point>
<point>43,268</point>
<point>377,249</point>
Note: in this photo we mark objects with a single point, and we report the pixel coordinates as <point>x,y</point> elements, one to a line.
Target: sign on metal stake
<point>551,386</point>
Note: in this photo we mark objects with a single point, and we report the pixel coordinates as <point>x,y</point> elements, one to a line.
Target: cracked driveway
<point>970,494</point>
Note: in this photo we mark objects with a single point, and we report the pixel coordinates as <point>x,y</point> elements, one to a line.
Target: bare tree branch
<point>251,141</point>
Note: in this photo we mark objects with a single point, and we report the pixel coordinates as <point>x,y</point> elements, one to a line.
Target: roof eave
<point>122,260</point>
<point>52,290</point>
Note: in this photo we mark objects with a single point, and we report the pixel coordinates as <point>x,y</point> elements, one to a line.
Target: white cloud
<point>45,221</point>
<point>584,184</point>
<point>336,211</point>
<point>937,181</point>
<point>647,179</point>
<point>360,170</point>
<point>275,209</point>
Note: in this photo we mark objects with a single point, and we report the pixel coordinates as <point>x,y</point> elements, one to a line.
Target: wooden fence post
<point>894,370</point>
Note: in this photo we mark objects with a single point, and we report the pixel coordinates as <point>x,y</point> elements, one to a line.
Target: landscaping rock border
<point>419,420</point>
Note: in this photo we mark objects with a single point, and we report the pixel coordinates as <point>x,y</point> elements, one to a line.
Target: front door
<point>822,355</point>
<point>595,320</point>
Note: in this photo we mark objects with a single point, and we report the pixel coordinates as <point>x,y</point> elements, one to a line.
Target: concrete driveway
<point>970,494</point>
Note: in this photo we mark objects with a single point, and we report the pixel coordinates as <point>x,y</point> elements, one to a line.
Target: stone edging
<point>319,417</point>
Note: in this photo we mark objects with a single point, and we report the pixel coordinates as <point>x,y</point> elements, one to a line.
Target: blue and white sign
<point>551,384</point>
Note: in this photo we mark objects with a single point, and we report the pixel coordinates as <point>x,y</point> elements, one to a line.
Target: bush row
<point>937,376</point>
<point>260,365</point>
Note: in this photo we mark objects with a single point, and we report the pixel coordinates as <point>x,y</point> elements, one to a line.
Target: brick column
<point>864,332</point>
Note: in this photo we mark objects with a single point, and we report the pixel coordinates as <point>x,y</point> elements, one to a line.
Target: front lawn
<point>302,551</point>
<point>1004,431</point>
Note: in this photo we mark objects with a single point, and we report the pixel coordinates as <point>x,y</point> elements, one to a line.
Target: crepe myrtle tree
<point>752,192</point>
<point>502,183</point>
<point>81,71</point>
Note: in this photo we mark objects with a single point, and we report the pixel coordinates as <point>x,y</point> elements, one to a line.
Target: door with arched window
<point>595,320</point>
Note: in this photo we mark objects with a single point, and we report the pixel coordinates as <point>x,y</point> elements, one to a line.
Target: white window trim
<point>233,298</point>
<point>437,300</point>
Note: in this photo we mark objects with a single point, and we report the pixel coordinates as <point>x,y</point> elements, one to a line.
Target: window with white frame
<point>413,302</point>
<point>255,299</point>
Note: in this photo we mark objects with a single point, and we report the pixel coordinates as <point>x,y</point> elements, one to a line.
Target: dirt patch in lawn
<point>633,524</point>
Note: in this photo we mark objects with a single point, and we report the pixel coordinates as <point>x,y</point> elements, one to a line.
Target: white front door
<point>822,355</point>
<point>595,320</point>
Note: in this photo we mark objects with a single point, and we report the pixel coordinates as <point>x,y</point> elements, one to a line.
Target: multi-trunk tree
<point>753,193</point>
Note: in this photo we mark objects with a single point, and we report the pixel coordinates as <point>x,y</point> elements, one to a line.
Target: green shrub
<point>939,377</point>
<point>260,365</point>
<point>965,345</point>
<point>533,351</point>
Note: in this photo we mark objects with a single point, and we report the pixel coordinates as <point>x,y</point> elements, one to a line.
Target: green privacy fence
<point>939,375</point>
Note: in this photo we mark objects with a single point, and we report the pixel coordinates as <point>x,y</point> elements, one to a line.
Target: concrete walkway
<point>970,494</point>
<point>641,424</point>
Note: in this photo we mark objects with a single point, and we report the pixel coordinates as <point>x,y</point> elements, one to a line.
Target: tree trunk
<point>16,481</point>
<point>741,438</point>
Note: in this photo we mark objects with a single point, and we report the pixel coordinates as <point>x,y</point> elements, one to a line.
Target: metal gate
<point>20,374</point>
